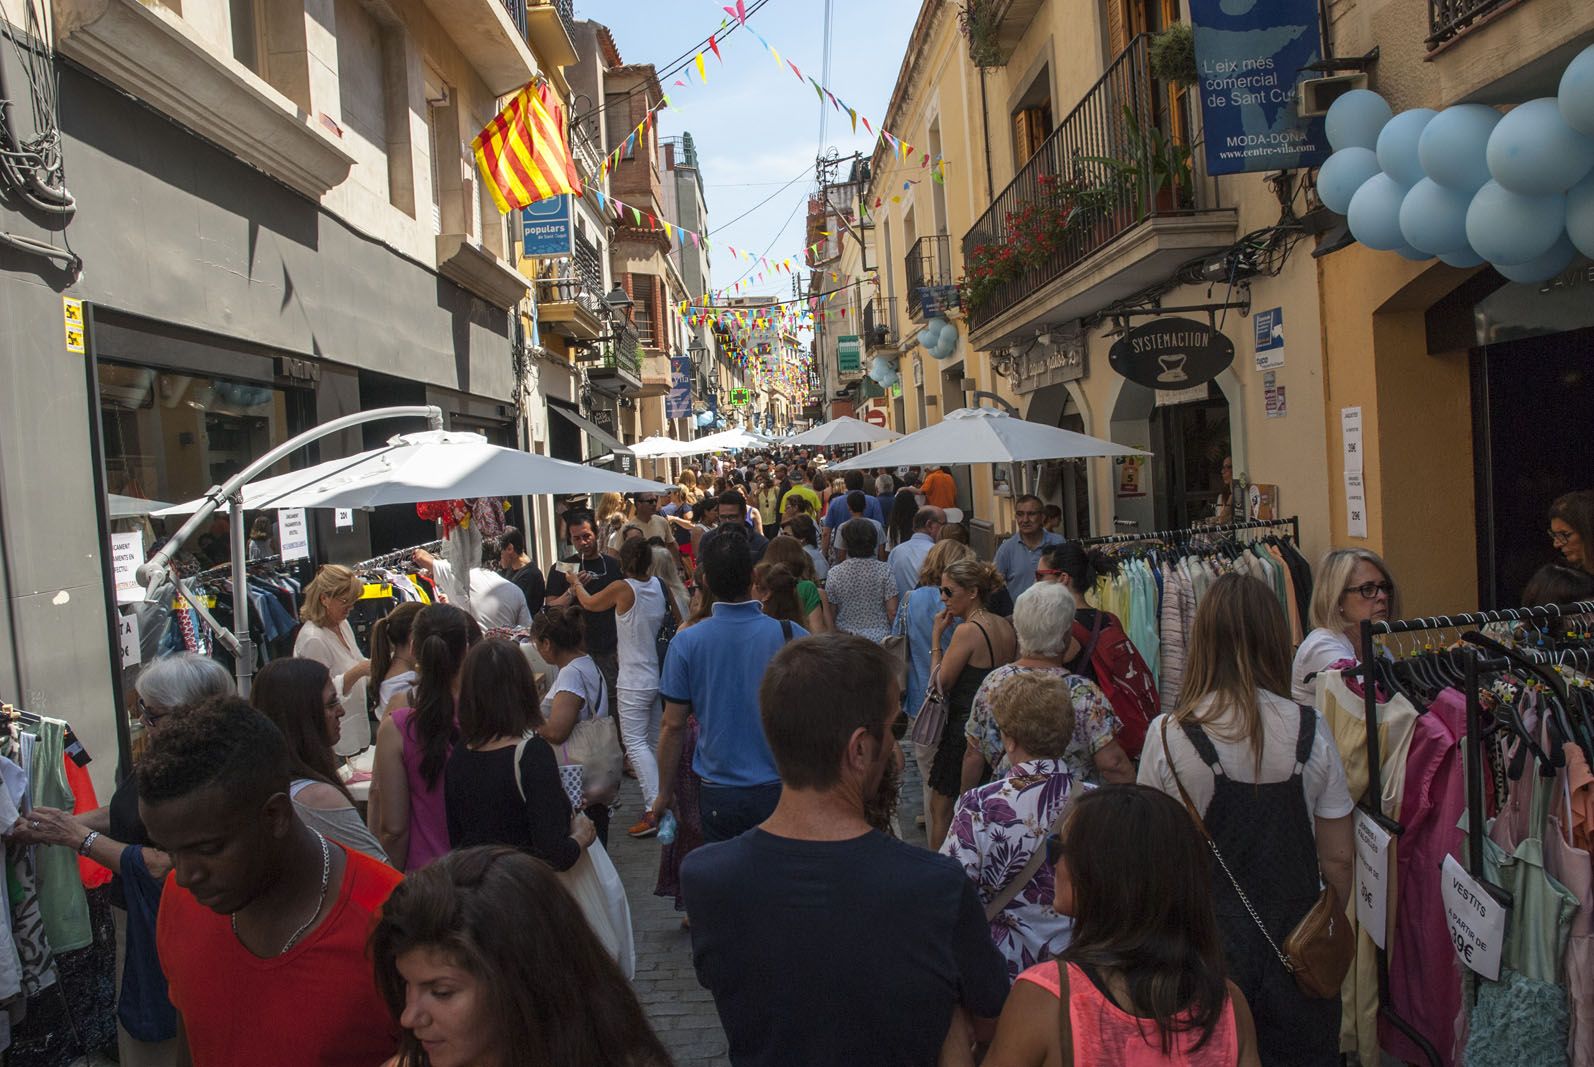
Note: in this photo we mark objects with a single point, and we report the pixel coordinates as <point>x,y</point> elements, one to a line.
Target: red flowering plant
<point>1029,234</point>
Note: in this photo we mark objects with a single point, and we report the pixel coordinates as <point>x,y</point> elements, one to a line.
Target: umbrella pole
<point>233,487</point>
<point>245,654</point>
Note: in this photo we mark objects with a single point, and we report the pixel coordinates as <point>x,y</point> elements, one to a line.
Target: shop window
<point>170,436</point>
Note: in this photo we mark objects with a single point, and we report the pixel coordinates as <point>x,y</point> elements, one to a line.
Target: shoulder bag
<point>1320,949</point>
<point>670,624</point>
<point>931,720</point>
<point>594,749</point>
<point>1016,886</point>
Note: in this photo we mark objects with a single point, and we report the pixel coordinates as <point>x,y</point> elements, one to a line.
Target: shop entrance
<point>1191,442</point>
<point>1533,422</point>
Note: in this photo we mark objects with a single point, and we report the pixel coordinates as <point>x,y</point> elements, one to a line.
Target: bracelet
<point>88,843</point>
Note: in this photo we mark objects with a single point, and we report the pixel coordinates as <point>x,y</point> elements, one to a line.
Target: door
<point>1194,445</point>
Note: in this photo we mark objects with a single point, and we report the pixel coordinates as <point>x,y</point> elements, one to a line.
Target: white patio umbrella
<point>730,441</point>
<point>430,465</point>
<point>985,435</point>
<point>843,431</point>
<point>131,507</point>
<point>660,447</point>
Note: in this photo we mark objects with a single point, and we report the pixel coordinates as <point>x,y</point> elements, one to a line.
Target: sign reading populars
<point>1249,56</point>
<point>546,228</point>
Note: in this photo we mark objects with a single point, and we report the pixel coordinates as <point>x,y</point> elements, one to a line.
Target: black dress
<point>484,805</point>
<point>946,772</point>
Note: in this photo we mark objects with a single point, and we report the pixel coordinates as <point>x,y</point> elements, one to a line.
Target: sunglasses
<point>1054,849</point>
<point>948,593</point>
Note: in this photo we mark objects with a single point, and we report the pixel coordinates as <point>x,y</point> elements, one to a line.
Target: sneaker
<point>647,826</point>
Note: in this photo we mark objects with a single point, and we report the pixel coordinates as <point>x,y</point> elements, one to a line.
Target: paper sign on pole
<point>343,518</point>
<point>127,553</point>
<point>1350,424</point>
<point>1355,505</point>
<point>127,631</point>
<point>1372,877</point>
<point>293,534</point>
<point>1476,920</point>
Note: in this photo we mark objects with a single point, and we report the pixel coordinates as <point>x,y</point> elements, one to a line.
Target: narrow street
<point>681,1010</point>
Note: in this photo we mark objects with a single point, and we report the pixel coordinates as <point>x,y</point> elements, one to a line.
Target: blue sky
<point>756,126</point>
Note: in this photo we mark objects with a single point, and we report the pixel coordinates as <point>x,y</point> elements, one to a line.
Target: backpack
<point>1123,676</point>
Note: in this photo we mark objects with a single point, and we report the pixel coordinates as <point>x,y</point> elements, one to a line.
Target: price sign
<point>293,534</point>
<point>343,518</point>
<point>1476,920</point>
<point>127,552</point>
<point>1372,878</point>
<point>127,631</point>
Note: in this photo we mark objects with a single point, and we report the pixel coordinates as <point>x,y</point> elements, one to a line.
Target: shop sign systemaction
<point>1249,57</point>
<point>1171,353</point>
<point>546,228</point>
<point>678,404</point>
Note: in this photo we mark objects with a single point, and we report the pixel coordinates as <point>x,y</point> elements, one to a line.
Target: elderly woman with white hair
<point>115,838</point>
<point>1042,618</point>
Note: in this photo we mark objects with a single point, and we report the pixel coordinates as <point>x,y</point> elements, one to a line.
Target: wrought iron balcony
<point>1115,161</point>
<point>1450,18</point>
<point>880,323</point>
<point>621,353</point>
<point>517,14</point>
<point>929,266</point>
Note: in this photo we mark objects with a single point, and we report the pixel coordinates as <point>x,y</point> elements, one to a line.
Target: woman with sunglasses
<point>326,637</point>
<point>115,838</point>
<point>1353,584</point>
<point>978,648</point>
<point>298,696</point>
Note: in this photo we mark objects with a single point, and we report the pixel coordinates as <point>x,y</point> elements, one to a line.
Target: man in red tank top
<point>263,921</point>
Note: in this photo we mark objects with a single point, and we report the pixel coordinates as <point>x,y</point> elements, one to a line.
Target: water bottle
<point>667,828</point>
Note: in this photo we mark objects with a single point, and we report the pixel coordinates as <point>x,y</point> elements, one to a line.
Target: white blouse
<point>336,649</point>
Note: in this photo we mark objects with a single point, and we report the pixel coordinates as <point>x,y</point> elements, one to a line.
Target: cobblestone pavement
<point>681,1010</point>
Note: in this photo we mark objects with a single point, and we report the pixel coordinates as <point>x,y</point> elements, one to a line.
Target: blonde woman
<point>613,513</point>
<point>1265,778</point>
<point>327,638</point>
<point>690,493</point>
<point>1353,584</point>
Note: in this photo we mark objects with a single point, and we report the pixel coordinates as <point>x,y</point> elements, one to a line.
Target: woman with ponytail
<point>775,586</point>
<point>414,742</point>
<point>392,654</point>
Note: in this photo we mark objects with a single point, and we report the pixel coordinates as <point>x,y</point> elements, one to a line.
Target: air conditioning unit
<point>1316,95</point>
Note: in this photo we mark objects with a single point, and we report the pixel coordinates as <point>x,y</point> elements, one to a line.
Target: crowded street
<point>936,533</point>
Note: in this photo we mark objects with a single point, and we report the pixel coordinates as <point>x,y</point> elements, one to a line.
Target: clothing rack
<point>1184,533</point>
<point>1474,666</point>
<point>258,561</point>
<point>387,559</point>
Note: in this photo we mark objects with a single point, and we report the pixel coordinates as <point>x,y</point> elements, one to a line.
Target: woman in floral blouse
<point>998,827</point>
<point>1042,617</point>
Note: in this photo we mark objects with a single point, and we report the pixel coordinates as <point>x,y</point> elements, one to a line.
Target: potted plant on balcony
<point>1173,58</point>
<point>1154,175</point>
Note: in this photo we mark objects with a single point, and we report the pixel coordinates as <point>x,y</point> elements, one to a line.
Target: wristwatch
<point>88,843</point>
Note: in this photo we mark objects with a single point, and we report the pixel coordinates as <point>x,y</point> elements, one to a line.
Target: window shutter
<point>1117,27</point>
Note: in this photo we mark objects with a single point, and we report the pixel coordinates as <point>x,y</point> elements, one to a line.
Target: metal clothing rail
<point>1373,802</point>
<point>1293,522</point>
<point>397,556</point>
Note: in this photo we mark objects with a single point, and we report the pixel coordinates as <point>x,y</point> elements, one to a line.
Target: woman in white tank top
<point>640,608</point>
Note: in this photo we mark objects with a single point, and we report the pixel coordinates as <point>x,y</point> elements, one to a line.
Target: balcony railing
<point>1450,18</point>
<point>929,264</point>
<point>567,14</point>
<point>517,14</point>
<point>1112,163</point>
<point>580,282</point>
<point>880,322</point>
<point>622,353</point>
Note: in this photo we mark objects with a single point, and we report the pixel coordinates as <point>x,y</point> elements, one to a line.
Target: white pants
<point>641,714</point>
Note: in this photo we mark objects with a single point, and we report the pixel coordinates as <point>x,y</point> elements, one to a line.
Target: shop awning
<point>609,442</point>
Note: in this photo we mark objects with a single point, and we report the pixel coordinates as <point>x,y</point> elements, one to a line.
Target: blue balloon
<point>1342,174</point>
<point>928,335</point>
<point>944,349</point>
<point>883,372</point>
<point>1374,214</point>
<point>1433,219</point>
<point>1534,152</point>
<point>1462,259</point>
<point>1397,145</point>
<point>1353,121</point>
<point>1580,216</point>
<point>1545,267</point>
<point>1505,227</point>
<point>1576,94</point>
<point>944,329</point>
<point>1453,148</point>
<point>1416,255</point>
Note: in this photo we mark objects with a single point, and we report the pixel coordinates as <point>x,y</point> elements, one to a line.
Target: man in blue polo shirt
<point>713,670</point>
<point>1018,555</point>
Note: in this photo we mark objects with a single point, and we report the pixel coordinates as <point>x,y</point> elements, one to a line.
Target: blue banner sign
<point>546,228</point>
<point>678,404</point>
<point>1249,55</point>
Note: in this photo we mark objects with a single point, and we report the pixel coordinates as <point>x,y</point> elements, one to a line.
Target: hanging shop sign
<point>1372,877</point>
<point>678,404</point>
<point>1248,59</point>
<point>1475,918</point>
<point>546,227</point>
<point>1171,353</point>
<point>741,398</point>
<point>849,356</point>
<point>1050,365</point>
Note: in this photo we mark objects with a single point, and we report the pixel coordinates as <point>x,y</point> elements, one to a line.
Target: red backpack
<point>1122,674</point>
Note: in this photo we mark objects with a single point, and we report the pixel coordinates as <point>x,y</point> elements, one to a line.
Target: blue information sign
<point>1269,327</point>
<point>1249,55</point>
<point>678,404</point>
<point>546,228</point>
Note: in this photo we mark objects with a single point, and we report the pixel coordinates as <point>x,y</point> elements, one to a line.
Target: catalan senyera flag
<point>524,154</point>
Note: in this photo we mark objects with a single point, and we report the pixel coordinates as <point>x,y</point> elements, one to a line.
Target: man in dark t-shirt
<point>519,567</point>
<point>822,939</point>
<point>602,642</point>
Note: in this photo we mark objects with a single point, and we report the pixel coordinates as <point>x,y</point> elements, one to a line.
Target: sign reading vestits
<point>1249,55</point>
<point>1171,354</point>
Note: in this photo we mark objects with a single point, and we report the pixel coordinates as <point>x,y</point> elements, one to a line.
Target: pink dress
<point>1107,1036</point>
<point>428,817</point>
